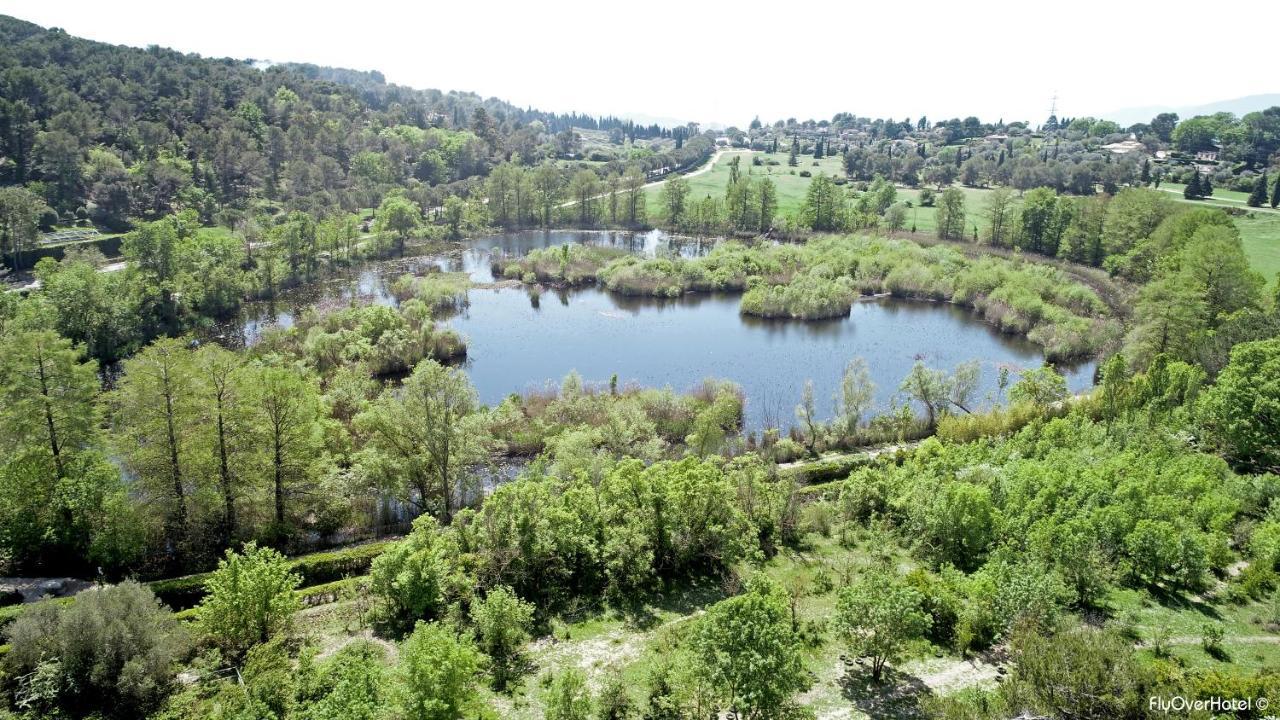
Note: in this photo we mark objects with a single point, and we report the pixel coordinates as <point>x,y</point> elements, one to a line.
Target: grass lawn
<point>1248,643</point>
<point>1259,230</point>
<point>791,187</point>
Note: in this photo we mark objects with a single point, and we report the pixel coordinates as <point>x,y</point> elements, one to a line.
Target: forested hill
<point>125,133</point>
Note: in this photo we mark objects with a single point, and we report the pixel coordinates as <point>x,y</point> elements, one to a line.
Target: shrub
<point>501,621</point>
<point>568,697</point>
<point>251,599</point>
<point>114,650</point>
<point>413,577</point>
<point>437,672</point>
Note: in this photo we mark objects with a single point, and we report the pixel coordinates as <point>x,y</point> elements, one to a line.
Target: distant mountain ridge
<point>1237,106</point>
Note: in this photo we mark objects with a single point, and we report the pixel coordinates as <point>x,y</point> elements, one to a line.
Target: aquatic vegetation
<point>441,292</point>
<point>570,264</point>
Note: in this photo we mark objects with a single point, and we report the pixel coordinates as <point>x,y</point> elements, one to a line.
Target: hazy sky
<point>727,62</point>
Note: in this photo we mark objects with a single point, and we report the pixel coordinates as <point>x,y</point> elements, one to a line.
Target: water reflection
<point>520,339</point>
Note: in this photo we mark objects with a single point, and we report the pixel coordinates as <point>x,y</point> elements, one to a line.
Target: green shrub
<point>114,650</point>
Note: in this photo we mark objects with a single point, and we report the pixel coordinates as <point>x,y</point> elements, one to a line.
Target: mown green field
<point>1259,230</point>
<point>791,186</point>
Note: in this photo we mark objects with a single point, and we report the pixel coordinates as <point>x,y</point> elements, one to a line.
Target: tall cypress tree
<point>1146,172</point>
<point>1192,190</point>
<point>1206,187</point>
<point>1275,193</point>
<point>1259,195</point>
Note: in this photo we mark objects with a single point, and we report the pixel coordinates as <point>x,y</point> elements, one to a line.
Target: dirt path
<point>1211,200</point>
<point>704,168</point>
<point>869,454</point>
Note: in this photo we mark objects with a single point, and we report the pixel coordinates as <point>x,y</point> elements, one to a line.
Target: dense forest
<point>326,523</point>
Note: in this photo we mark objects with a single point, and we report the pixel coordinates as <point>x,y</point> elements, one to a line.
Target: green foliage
<point>823,277</point>
<point>1078,672</point>
<point>115,648</point>
<point>568,697</point>
<point>746,653</point>
<point>1238,414</point>
<point>570,265</point>
<point>878,615</point>
<point>502,622</point>
<point>437,674</point>
<point>1042,386</point>
<point>423,436</point>
<point>414,578</point>
<point>250,599</point>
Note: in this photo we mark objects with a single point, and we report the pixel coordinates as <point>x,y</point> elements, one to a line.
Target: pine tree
<point>1192,190</point>
<point>1206,187</point>
<point>1275,193</point>
<point>817,150</point>
<point>795,150</point>
<point>1259,194</point>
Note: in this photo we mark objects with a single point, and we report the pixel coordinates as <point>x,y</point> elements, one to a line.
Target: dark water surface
<point>515,344</point>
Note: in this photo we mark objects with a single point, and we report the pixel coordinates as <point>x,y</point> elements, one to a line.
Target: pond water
<point>515,344</point>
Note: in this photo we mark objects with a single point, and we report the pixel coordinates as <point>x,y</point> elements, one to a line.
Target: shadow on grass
<point>896,697</point>
<point>682,599</point>
<point>1175,600</point>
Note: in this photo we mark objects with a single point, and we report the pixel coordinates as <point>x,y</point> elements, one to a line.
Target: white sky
<point>727,62</point>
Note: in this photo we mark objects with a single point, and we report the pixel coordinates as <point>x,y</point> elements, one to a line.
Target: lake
<point>515,344</point>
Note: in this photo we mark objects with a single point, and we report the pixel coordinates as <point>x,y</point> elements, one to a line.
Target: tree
<point>437,672</point>
<point>1275,193</point>
<point>1042,386</point>
<point>878,615</point>
<point>957,525</point>
<point>400,216</point>
<point>48,393</point>
<point>1214,260</point>
<point>745,651</point>
<point>1162,126</point>
<point>633,186</point>
<point>1240,413</point>
<point>413,578</point>
<point>420,437</point>
<point>568,697</point>
<point>823,207</point>
<point>929,388</point>
<point>158,419</point>
<point>1000,214</point>
<point>1259,195</point>
<point>501,621</point>
<point>585,189</point>
<point>548,189</point>
<point>288,416</point>
<point>1041,222</point>
<point>795,150</point>
<point>115,650</point>
<point>20,211</point>
<point>1169,316</point>
<point>1080,672</point>
<point>224,427</point>
<point>857,392</point>
<point>950,214</point>
<point>1193,191</point>
<point>807,413</point>
<point>768,198</point>
<point>675,195</point>
<point>249,599</point>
